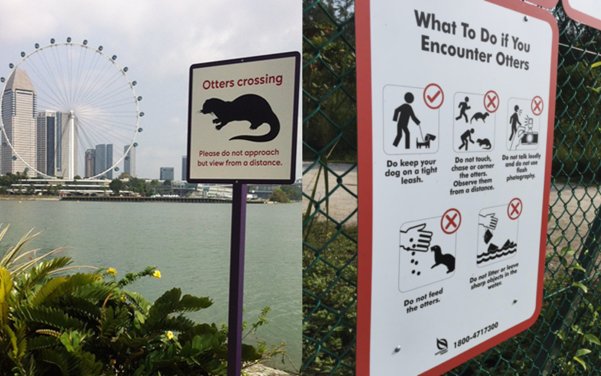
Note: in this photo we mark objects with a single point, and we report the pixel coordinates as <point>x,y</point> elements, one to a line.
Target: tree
<point>329,127</point>
<point>116,186</point>
<point>293,192</point>
<point>279,196</point>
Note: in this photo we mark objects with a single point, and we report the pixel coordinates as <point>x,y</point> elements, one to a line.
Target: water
<point>189,244</point>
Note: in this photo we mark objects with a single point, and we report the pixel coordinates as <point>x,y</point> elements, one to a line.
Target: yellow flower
<point>111,271</point>
<point>157,274</point>
<point>169,335</point>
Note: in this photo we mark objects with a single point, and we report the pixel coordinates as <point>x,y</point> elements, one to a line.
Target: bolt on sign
<point>456,104</point>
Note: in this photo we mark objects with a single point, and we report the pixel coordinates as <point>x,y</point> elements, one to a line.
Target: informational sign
<point>456,104</point>
<point>587,12</point>
<point>242,120</point>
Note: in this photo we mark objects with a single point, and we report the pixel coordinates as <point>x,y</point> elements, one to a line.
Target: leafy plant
<point>329,300</point>
<point>54,321</point>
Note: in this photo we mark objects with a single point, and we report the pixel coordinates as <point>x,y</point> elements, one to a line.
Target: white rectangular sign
<point>242,120</point>
<point>456,107</point>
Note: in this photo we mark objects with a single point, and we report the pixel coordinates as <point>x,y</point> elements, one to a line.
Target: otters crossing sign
<point>242,120</point>
<point>455,111</point>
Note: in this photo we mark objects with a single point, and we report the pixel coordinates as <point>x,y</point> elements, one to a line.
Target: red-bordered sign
<point>581,12</point>
<point>365,106</point>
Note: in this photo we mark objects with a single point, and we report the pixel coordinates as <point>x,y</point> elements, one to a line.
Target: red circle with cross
<point>514,209</point>
<point>537,105</point>
<point>433,96</point>
<point>450,221</point>
<point>491,101</point>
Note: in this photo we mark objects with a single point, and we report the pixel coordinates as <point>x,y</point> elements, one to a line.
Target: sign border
<point>365,188</point>
<point>549,4</point>
<point>579,16</point>
<point>292,177</point>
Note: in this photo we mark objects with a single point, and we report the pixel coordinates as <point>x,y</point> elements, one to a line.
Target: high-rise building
<point>58,120</point>
<point>104,160</point>
<point>184,168</point>
<point>46,142</point>
<point>166,173</point>
<point>90,163</point>
<point>129,161</point>
<point>18,117</point>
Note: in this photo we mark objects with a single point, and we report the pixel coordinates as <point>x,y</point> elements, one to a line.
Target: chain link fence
<point>565,339</point>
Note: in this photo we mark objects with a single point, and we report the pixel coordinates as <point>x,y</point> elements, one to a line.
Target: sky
<point>157,41</point>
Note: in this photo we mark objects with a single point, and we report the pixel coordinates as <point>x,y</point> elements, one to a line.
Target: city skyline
<point>158,58</point>
<point>41,142</point>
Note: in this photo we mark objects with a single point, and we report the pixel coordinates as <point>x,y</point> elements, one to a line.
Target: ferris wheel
<point>85,112</point>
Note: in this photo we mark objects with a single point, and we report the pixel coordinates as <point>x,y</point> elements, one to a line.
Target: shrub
<point>55,321</point>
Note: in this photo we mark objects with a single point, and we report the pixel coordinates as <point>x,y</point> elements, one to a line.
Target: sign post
<point>234,343</point>
<point>242,128</point>
<point>456,105</point>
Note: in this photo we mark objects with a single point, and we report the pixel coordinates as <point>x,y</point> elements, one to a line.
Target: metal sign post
<point>234,343</point>
<point>242,129</point>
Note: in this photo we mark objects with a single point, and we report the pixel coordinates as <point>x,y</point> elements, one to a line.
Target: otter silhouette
<point>249,107</point>
<point>445,259</point>
<point>484,143</point>
<point>479,116</point>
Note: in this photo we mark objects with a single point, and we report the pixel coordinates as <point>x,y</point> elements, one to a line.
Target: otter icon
<point>249,107</point>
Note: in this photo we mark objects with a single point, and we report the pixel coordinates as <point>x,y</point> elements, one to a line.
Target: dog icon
<point>427,139</point>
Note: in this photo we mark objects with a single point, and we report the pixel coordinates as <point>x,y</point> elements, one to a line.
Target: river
<point>189,244</point>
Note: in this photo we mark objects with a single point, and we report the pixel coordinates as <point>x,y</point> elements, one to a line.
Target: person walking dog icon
<point>402,115</point>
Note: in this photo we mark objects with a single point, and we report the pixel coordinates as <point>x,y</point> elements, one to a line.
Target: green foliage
<point>53,322</point>
<point>329,85</point>
<point>329,300</point>
<point>293,192</point>
<point>278,195</point>
<point>9,179</point>
<point>116,185</point>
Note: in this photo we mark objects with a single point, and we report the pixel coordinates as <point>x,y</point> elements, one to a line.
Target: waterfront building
<point>90,163</point>
<point>184,168</point>
<point>166,173</point>
<point>104,160</point>
<point>129,161</point>
<point>46,142</point>
<point>50,142</point>
<point>18,117</point>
